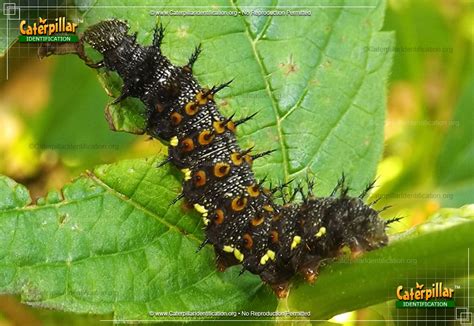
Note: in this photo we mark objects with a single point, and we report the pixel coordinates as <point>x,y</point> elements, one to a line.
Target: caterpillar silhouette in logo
<point>242,219</point>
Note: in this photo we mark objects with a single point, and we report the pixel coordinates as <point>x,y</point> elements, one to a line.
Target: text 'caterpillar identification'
<point>242,220</point>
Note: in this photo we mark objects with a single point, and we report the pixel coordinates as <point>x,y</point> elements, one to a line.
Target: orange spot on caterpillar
<point>176,118</point>
<point>221,169</point>
<point>253,190</point>
<point>219,216</point>
<point>187,145</point>
<point>218,126</point>
<point>238,203</point>
<point>200,178</point>
<point>191,108</point>
<point>205,137</point>
<point>256,221</point>
<point>248,241</point>
<point>268,208</point>
<point>274,236</point>
<point>236,158</point>
<point>231,126</point>
<point>202,97</point>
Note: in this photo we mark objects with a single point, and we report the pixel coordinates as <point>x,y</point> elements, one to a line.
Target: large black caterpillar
<point>242,220</point>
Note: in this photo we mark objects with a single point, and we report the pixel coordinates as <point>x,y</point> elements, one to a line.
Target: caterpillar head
<point>366,228</point>
<point>343,221</point>
<point>106,35</point>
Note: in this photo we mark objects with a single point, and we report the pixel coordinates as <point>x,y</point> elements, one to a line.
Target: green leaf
<point>13,195</point>
<point>73,123</point>
<point>113,244</point>
<point>454,168</point>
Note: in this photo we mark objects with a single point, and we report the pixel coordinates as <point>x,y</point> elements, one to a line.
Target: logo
<point>423,297</point>
<point>57,30</point>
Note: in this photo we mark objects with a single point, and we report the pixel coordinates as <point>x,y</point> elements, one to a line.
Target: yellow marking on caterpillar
<point>238,255</point>
<point>269,255</point>
<point>200,98</point>
<point>201,209</point>
<point>321,232</point>
<point>268,208</point>
<point>174,141</point>
<point>228,249</point>
<point>296,241</point>
<point>187,176</point>
<point>205,220</point>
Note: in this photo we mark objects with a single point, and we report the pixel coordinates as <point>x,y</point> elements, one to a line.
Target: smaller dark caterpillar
<point>243,222</point>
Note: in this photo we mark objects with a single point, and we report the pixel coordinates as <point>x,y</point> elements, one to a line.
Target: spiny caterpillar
<point>242,220</point>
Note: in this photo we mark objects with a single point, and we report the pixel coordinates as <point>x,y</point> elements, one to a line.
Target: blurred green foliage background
<point>429,132</point>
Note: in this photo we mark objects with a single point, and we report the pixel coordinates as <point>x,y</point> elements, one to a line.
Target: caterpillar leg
<point>281,290</point>
<point>309,274</point>
<point>310,270</point>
